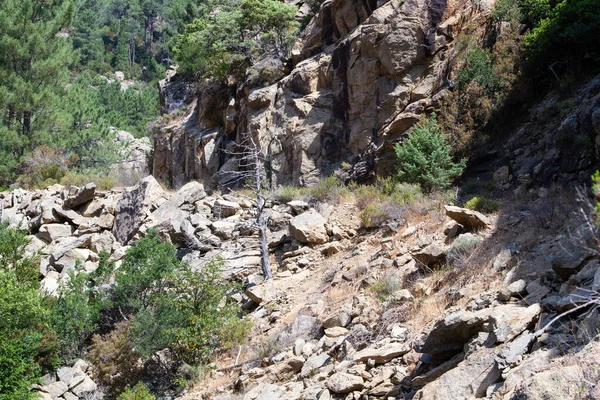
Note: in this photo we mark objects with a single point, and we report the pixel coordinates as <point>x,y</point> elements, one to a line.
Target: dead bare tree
<point>251,173</point>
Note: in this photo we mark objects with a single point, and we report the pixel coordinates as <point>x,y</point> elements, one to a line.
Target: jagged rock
<point>536,292</point>
<point>223,229</point>
<point>106,221</point>
<point>298,206</point>
<point>56,389</point>
<point>448,335</point>
<point>134,206</point>
<point>340,317</point>
<point>511,354</point>
<point>102,242</point>
<point>336,331</point>
<point>57,250</point>
<point>344,383</point>
<point>570,257</point>
<point>34,245</point>
<point>79,196</point>
<point>169,218</point>
<point>266,391</point>
<point>438,371</point>
<point>53,232</point>
<point>70,396</point>
<point>431,256</point>
<point>85,386</point>
<point>50,283</point>
<point>14,217</point>
<point>224,208</point>
<point>470,219</point>
<point>382,354</point>
<point>332,248</point>
<point>309,227</point>
<point>70,215</point>
<point>385,388</point>
<point>469,379</point>
<point>313,363</point>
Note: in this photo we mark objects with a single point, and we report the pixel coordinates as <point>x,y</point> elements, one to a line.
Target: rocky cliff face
<point>361,75</point>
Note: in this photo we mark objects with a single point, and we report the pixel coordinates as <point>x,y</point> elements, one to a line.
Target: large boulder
<point>469,380</point>
<point>344,383</point>
<point>224,208</point>
<point>79,196</point>
<point>470,219</point>
<point>309,227</point>
<point>169,219</point>
<point>134,207</point>
<point>448,335</point>
<point>52,232</point>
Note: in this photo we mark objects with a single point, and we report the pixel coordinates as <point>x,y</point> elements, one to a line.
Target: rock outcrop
<point>361,76</point>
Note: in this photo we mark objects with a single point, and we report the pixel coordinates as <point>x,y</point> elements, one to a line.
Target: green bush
<point>386,287</point>
<point>28,347</point>
<point>425,157</point>
<point>173,306</point>
<point>563,38</point>
<point>227,34</point>
<point>75,313</point>
<point>479,69</point>
<point>460,250</point>
<point>116,364</point>
<point>507,10</point>
<point>288,193</point>
<point>138,392</point>
<point>328,190</point>
<point>482,204</point>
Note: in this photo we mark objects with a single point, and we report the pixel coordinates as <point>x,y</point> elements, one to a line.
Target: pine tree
<point>34,56</point>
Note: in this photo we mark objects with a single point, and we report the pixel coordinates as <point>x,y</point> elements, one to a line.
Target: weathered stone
<point>511,354</point>
<point>382,354</point>
<point>431,256</point>
<point>470,379</point>
<point>309,227</point>
<point>87,385</point>
<point>266,391</point>
<point>134,206</point>
<point>102,242</point>
<point>344,383</point>
<point>52,232</point>
<point>106,221</point>
<point>223,229</point>
<point>298,206</point>
<point>336,331</point>
<point>470,219</point>
<point>224,209</point>
<point>79,196</point>
<point>56,389</point>
<point>70,215</point>
<point>313,363</point>
<point>448,335</point>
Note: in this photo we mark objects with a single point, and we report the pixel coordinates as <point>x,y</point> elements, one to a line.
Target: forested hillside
<point>58,89</point>
<point>327,199</point>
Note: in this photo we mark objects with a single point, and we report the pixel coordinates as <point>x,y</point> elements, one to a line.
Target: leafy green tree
<point>27,344</point>
<point>75,313</point>
<point>425,157</point>
<point>226,35</point>
<point>564,38</point>
<point>171,305</point>
<point>34,57</point>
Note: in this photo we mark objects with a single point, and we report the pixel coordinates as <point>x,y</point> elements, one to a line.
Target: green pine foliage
<point>425,157</point>
<point>34,56</point>
<point>226,36</point>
